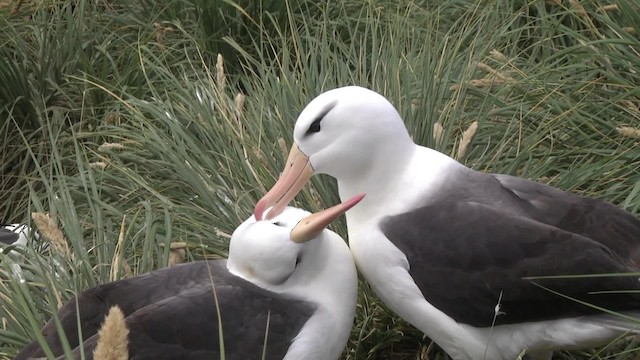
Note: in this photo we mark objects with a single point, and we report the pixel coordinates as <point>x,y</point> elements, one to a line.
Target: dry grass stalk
<point>98,165</point>
<point>112,119</point>
<point>415,105</point>
<point>239,101</point>
<point>487,82</point>
<point>222,234</point>
<point>113,337</point>
<point>178,245</point>
<point>239,106</point>
<point>117,254</point>
<point>579,8</point>
<point>213,256</point>
<point>110,146</point>
<point>467,136</point>
<point>221,80</point>
<point>595,50</point>
<point>629,29</point>
<point>16,7</point>
<point>425,352</point>
<point>52,233</point>
<point>438,132</point>
<point>283,146</point>
<point>544,180</point>
<point>498,56</point>
<point>177,253</point>
<point>317,199</point>
<point>610,7</point>
<point>480,83</point>
<point>176,257</point>
<point>629,131</point>
<point>160,31</point>
<point>631,106</point>
<point>575,4</point>
<point>494,78</point>
<point>494,72</point>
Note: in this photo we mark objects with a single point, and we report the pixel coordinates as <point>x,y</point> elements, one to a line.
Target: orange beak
<point>297,172</point>
<point>312,225</point>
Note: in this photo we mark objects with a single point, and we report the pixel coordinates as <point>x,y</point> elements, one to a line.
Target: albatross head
<point>343,133</point>
<point>269,252</point>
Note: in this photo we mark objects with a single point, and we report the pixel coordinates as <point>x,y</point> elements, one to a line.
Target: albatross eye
<point>315,126</point>
<point>278,223</point>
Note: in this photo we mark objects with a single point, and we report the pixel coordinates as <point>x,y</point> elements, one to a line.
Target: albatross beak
<point>297,172</point>
<point>309,227</point>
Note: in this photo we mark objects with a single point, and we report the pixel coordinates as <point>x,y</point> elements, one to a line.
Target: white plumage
<point>445,246</point>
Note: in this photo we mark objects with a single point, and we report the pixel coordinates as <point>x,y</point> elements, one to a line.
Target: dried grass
<point>467,136</point>
<point>51,233</point>
<point>113,343</point>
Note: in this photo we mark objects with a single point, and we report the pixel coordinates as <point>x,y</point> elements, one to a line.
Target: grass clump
<point>122,123</point>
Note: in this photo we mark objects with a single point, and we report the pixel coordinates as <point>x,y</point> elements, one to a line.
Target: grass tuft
<point>113,337</point>
<point>123,124</point>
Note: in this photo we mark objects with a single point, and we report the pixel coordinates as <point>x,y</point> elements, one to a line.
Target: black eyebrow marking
<point>315,125</point>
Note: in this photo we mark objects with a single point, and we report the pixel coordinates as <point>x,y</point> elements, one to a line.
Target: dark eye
<point>278,223</point>
<point>297,261</point>
<point>315,126</point>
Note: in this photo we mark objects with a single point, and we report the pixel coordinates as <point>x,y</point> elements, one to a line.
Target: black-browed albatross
<point>14,234</point>
<point>452,250</point>
<point>287,279</point>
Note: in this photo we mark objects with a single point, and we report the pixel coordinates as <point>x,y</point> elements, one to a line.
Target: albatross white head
<point>294,254</point>
<point>271,253</point>
<point>344,133</point>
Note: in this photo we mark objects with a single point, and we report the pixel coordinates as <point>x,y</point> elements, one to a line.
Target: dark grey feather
<point>7,236</point>
<point>473,247</point>
<point>171,314</point>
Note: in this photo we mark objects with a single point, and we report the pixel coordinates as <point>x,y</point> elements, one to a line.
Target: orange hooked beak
<point>312,225</point>
<point>297,172</point>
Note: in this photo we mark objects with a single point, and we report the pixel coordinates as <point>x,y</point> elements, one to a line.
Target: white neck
<point>382,263</point>
<point>328,277</point>
<point>391,185</point>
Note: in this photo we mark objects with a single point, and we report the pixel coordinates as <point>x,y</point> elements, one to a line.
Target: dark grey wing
<point>597,219</point>
<point>129,294</point>
<point>186,326</point>
<point>7,236</point>
<point>467,257</point>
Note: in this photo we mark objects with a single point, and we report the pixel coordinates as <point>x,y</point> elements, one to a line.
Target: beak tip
<point>258,212</point>
<point>354,201</point>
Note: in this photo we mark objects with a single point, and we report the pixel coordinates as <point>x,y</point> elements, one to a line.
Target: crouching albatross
<point>288,290</point>
<point>469,258</point>
<point>14,235</point>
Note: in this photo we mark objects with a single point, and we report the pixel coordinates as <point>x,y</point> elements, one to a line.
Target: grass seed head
<point>629,131</point>
<point>220,77</point>
<point>467,136</point>
<point>110,146</point>
<point>51,232</point>
<point>113,342</point>
<point>438,132</point>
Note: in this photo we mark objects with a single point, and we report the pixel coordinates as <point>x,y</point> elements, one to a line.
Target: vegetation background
<point>145,147</point>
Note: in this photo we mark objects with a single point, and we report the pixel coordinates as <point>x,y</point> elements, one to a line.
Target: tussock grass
<point>122,123</point>
<point>113,337</point>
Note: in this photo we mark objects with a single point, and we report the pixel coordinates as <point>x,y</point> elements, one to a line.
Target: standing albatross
<point>288,290</point>
<point>452,250</point>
